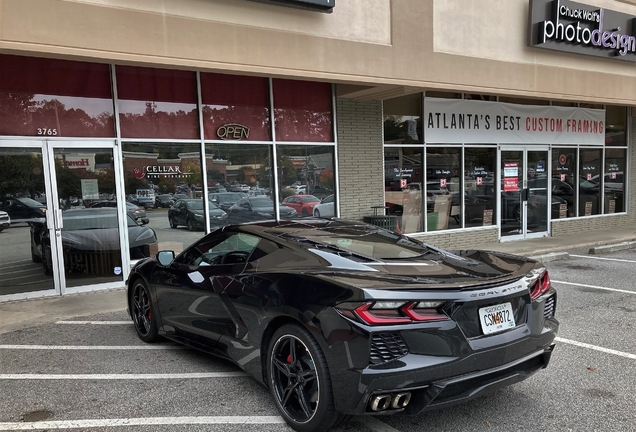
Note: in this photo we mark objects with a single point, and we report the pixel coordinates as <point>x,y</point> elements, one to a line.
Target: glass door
<point>524,210</point>
<point>63,233</point>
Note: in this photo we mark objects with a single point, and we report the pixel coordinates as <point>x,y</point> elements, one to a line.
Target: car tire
<point>143,313</point>
<point>316,212</point>
<point>46,256</point>
<point>305,213</point>
<point>190,225</point>
<point>173,224</point>
<point>299,380</point>
<point>34,258</point>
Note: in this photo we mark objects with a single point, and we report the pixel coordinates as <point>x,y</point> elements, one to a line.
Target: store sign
<point>233,132</point>
<point>472,121</point>
<point>583,29</point>
<point>315,5</point>
<point>156,171</point>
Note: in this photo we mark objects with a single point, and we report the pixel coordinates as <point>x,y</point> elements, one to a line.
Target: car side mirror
<point>165,257</point>
<point>144,221</point>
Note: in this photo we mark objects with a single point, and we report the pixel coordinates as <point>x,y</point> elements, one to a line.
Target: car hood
<point>437,269</point>
<point>103,239</point>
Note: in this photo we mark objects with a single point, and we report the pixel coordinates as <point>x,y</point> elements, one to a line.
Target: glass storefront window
<point>614,180</point>
<point>590,183</point>
<point>237,175</point>
<point>615,126</point>
<point>305,179</point>
<point>403,187</point>
<point>403,120</point>
<point>443,188</point>
<point>479,179</point>
<point>55,98</point>
<point>235,108</point>
<point>303,111</point>
<point>564,180</point>
<point>157,103</point>
<point>158,176</point>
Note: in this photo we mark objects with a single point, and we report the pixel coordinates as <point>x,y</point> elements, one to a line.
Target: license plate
<point>496,318</point>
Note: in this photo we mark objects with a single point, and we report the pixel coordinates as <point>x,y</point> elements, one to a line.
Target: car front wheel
<point>316,212</point>
<point>142,312</point>
<point>173,224</point>
<point>299,380</point>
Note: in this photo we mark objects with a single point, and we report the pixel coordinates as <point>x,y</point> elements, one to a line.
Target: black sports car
<point>87,233</point>
<point>260,208</point>
<point>341,318</point>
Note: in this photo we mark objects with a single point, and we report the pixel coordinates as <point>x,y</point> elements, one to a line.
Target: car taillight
<point>391,313</point>
<point>541,286</point>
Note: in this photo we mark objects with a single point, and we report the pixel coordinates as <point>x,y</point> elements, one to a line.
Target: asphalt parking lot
<point>93,373</point>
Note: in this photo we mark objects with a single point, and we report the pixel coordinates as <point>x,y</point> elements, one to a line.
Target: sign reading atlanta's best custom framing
<point>483,122</point>
<point>583,29</point>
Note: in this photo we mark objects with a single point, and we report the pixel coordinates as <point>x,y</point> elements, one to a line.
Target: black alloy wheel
<point>173,224</point>
<point>142,312</point>
<point>190,224</point>
<point>299,380</point>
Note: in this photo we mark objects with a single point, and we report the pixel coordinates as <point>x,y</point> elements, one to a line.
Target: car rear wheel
<point>142,312</point>
<point>299,380</point>
<point>305,212</point>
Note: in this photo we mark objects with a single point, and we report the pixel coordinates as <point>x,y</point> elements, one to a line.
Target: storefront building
<point>515,129</point>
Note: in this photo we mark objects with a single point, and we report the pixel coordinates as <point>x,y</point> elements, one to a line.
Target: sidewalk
<point>29,313</point>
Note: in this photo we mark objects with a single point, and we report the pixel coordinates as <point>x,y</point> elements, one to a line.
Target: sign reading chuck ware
<point>233,132</point>
<point>317,5</point>
<point>582,29</point>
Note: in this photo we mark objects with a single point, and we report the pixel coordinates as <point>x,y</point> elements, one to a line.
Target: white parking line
<point>594,286</point>
<point>94,347</point>
<point>192,375</point>
<point>596,348</point>
<point>604,259</point>
<point>148,421</point>
<point>374,424</point>
<point>94,322</point>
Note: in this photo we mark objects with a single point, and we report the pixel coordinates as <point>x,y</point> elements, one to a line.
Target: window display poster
<point>511,184</point>
<point>588,208</point>
<point>563,211</point>
<point>612,206</point>
<point>90,189</point>
<point>562,177</point>
<point>442,183</point>
<point>511,169</point>
<point>487,217</point>
<point>541,166</point>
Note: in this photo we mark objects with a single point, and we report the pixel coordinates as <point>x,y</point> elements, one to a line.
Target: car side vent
<point>386,347</point>
<point>550,306</point>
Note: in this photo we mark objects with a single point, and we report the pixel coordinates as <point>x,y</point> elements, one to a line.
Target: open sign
<point>233,132</point>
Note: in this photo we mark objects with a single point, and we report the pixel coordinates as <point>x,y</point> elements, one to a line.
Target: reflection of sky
<point>91,106</point>
<point>139,107</point>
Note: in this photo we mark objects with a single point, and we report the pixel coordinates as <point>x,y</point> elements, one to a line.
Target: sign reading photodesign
<point>583,29</point>
<point>471,121</point>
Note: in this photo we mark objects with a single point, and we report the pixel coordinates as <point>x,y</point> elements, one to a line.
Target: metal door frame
<point>524,149</point>
<point>47,147</point>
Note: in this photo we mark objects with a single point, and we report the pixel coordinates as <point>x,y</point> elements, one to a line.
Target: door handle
<point>58,220</point>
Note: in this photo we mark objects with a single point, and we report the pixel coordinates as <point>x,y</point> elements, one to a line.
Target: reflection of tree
<point>154,123</point>
<point>303,125</point>
<point>133,183</point>
<point>216,176</point>
<point>195,177</point>
<point>24,116</point>
<point>326,179</point>
<point>20,174</point>
<point>256,118</point>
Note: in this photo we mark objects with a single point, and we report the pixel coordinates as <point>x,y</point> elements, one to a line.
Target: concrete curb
<point>612,247</point>
<point>549,257</point>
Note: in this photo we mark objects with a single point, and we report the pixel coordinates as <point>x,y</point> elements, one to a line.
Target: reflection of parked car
<point>190,212</point>
<point>163,201</point>
<point>87,234</point>
<point>257,209</point>
<point>326,207</point>
<point>22,209</point>
<point>135,211</point>
<point>303,204</point>
<point>5,220</point>
<point>225,200</point>
<point>323,305</point>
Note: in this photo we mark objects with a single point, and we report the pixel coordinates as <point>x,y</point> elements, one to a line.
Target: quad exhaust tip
<point>393,401</point>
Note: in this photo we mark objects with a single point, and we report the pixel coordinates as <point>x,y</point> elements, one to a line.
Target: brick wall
<point>360,157</point>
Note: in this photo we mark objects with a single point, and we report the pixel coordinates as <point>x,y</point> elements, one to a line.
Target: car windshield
<point>232,197</point>
<point>378,244</point>
<point>195,204</point>
<point>30,202</point>
<point>87,221</point>
<point>262,203</point>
